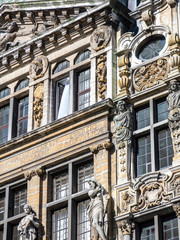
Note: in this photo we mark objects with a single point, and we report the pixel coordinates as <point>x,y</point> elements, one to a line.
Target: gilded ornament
<point>38,103</point>
<point>151,74</point>
<point>101,76</point>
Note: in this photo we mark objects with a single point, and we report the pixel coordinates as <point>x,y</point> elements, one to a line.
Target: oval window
<point>151,48</point>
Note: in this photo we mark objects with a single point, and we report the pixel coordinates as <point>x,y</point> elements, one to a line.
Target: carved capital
<point>125,226</point>
<point>106,145</point>
<point>172,3</point>
<point>35,172</point>
<point>176,208</point>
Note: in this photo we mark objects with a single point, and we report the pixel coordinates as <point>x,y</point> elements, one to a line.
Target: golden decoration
<point>101,76</point>
<point>38,103</point>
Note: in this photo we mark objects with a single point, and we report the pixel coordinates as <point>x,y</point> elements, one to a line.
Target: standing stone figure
<point>122,124</point>
<point>28,225</point>
<point>97,210</point>
<point>174,113</point>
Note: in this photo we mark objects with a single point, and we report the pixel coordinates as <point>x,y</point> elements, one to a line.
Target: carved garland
<point>101,76</point>
<point>151,74</point>
<point>38,103</point>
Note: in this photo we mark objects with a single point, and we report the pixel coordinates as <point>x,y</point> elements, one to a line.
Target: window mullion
<point>5,229</point>
<point>152,136</point>
<point>10,120</point>
<point>157,223</point>
<point>179,227</point>
<point>72,95</point>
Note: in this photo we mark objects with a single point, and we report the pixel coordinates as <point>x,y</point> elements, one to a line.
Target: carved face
<point>121,106</point>
<point>27,209</point>
<point>92,184</point>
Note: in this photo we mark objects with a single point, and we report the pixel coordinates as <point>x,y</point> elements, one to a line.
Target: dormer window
<point>151,48</point>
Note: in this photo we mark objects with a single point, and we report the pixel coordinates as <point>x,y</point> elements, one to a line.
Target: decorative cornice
<point>106,145</point>
<point>34,172</point>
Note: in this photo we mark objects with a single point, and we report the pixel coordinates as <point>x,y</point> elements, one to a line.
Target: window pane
<point>170,229</point>
<point>85,173</point>
<point>61,186</point>
<point>83,89</point>
<point>83,222</point>
<point>61,66</point>
<point>16,234</point>
<point>162,110</point>
<point>2,203</point>
<point>60,224</point>
<point>4,92</point>
<point>147,233</point>
<point>142,118</point>
<point>20,199</point>
<point>22,84</point>
<point>82,56</point>
<point>143,155</point>
<point>22,121</point>
<point>165,148</point>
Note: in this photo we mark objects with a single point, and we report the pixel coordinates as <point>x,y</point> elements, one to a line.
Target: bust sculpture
<point>97,210</point>
<point>28,225</point>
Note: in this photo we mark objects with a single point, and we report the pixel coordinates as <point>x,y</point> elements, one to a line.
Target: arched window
<point>22,84</point>
<point>4,92</point>
<point>82,56</point>
<point>61,66</point>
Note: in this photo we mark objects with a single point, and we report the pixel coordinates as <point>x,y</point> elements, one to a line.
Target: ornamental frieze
<point>151,74</point>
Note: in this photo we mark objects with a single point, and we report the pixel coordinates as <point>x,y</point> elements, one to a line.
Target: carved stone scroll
<point>151,74</point>
<point>106,145</point>
<point>38,103</point>
<point>101,76</point>
<point>174,114</point>
<point>151,195</point>
<point>100,38</point>
<point>176,208</point>
<point>38,171</point>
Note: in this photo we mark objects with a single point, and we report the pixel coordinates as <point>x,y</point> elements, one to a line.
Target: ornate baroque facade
<point>90,120</point>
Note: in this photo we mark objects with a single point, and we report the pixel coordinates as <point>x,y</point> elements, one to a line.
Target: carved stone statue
<point>174,113</point>
<point>38,67</point>
<point>122,124</point>
<point>28,225</point>
<point>9,34</point>
<point>97,210</point>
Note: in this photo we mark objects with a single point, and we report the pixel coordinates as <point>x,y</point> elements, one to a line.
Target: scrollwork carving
<point>125,227</point>
<point>174,113</point>
<point>126,200</point>
<point>101,76</point>
<point>151,74</point>
<point>176,208</point>
<point>151,195</point>
<point>38,103</point>
<point>106,145</point>
<point>38,171</point>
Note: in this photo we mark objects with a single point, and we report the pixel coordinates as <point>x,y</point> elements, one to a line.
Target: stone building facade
<point>90,93</point>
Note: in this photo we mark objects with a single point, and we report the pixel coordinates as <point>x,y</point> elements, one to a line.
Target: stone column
<point>34,192</point>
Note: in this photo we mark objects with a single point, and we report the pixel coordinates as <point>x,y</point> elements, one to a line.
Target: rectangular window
<point>4,117</point>
<point>170,229</point>
<point>83,89</point>
<point>142,118</point>
<point>161,110</point>
<point>61,186</point>
<point>60,224</point>
<point>147,232</point>
<point>22,120</point>
<point>165,148</point>
<point>83,222</point>
<point>62,98</point>
<point>143,155</point>
<point>85,172</point>
<point>20,199</point>
<point>2,205</point>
